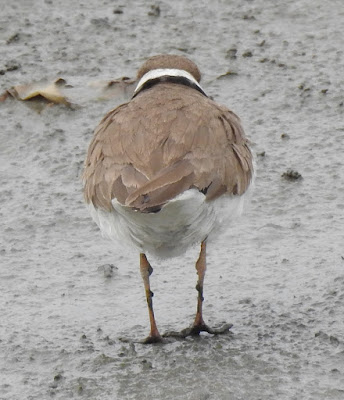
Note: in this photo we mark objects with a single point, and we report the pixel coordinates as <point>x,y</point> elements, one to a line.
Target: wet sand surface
<point>70,323</point>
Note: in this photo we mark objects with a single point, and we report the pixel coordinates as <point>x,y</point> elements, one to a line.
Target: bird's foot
<point>152,339</point>
<point>195,330</point>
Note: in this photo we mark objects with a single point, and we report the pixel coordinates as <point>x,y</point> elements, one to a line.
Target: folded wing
<point>146,152</point>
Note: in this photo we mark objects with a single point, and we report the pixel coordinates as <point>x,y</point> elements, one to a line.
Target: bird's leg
<point>146,271</point>
<point>199,325</point>
<point>200,268</point>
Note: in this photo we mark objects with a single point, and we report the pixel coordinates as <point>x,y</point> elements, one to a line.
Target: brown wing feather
<point>166,140</point>
<point>166,184</point>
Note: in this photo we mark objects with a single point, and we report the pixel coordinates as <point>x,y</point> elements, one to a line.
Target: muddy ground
<point>69,324</point>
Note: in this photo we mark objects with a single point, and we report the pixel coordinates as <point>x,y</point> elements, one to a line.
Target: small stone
<point>155,11</point>
<point>232,53</point>
<point>303,87</point>
<point>12,65</point>
<point>100,22</point>
<point>58,377</point>
<point>248,17</point>
<point>335,371</point>
<point>13,39</point>
<point>291,175</point>
<point>246,300</point>
<point>108,270</point>
<point>334,340</point>
<point>247,53</point>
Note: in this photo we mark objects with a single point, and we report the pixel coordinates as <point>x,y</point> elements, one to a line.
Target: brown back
<point>169,138</point>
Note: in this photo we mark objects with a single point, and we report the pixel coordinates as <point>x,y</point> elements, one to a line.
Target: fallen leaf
<point>46,89</point>
<point>226,74</point>
<point>42,93</point>
<point>122,87</point>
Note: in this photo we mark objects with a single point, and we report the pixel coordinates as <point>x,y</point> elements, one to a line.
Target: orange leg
<point>200,268</point>
<point>199,325</point>
<point>146,271</point>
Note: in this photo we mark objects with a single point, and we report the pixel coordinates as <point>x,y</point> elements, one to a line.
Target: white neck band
<point>157,73</point>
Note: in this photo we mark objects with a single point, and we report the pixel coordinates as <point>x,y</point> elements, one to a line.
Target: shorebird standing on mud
<point>166,170</point>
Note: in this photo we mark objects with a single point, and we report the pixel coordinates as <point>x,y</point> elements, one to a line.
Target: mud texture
<point>72,305</point>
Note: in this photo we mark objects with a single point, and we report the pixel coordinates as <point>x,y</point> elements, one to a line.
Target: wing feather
<point>164,141</point>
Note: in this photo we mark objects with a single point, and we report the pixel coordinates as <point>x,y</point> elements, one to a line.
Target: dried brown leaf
<point>227,74</point>
<point>54,92</point>
<point>49,90</point>
<point>122,87</point>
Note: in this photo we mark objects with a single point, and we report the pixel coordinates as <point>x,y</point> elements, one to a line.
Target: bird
<point>167,170</point>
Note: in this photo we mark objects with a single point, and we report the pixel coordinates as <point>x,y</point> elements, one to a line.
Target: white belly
<point>182,222</point>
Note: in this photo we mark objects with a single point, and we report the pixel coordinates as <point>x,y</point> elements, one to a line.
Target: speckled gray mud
<point>278,275</point>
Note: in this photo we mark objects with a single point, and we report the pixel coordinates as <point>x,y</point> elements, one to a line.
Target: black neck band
<point>181,80</point>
